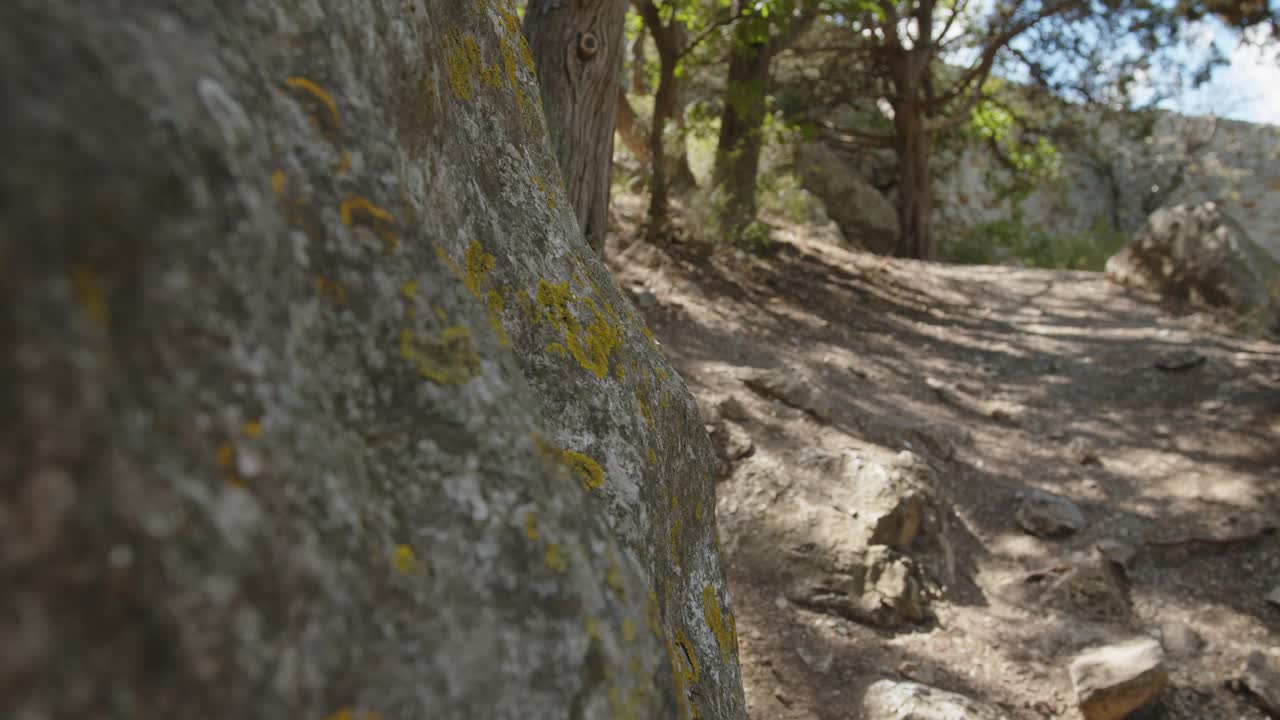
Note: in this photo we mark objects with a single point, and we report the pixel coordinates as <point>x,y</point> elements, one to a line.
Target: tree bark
<point>741,137</point>
<point>912,101</point>
<point>911,146</point>
<point>669,39</point>
<point>578,48</point>
<point>737,163</point>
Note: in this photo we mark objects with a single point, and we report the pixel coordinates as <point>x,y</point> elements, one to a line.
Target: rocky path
<point>966,478</point>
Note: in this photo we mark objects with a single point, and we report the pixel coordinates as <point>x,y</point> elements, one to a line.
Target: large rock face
<point>1195,252</point>
<point>865,217</point>
<point>314,402</point>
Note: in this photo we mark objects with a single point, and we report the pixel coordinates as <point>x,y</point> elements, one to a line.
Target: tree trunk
<point>630,131</point>
<point>669,39</point>
<point>741,137</point>
<point>911,140</point>
<point>578,49</point>
<point>911,145</point>
<point>663,108</point>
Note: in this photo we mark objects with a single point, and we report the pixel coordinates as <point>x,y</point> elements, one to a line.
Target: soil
<point>1162,424</point>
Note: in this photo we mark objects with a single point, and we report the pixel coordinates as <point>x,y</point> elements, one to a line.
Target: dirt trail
<point>1163,428</point>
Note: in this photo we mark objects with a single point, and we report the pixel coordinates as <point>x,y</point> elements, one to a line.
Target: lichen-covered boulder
<point>1197,253</point>
<point>314,402</point>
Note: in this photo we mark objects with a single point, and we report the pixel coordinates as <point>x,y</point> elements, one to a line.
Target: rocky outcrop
<point>1117,173</point>
<point>865,217</point>
<point>839,534</point>
<point>315,402</point>
<point>1197,253</point>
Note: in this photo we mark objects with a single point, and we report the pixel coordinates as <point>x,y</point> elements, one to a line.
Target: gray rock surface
<point>1261,677</point>
<point>791,387</point>
<point>865,217</point>
<point>893,700</point>
<point>838,540</point>
<point>1180,640</point>
<point>1048,515</point>
<point>1197,253</point>
<point>1111,682</point>
<point>314,400</point>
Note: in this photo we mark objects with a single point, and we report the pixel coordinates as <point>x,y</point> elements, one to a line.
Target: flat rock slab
<point>790,387</point>
<point>893,700</point>
<point>1112,681</point>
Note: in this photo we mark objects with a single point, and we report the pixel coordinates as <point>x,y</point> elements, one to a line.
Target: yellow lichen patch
<point>497,304</point>
<point>478,263</point>
<point>279,183</point>
<point>688,661</point>
<point>509,62</point>
<point>460,61</point>
<point>225,455</point>
<point>554,559</point>
<point>252,428</point>
<point>344,163</point>
<point>531,526</point>
<point>331,119</point>
<point>628,630</point>
<point>490,75</point>
<point>330,289</point>
<point>550,199</point>
<point>404,560</point>
<point>590,346</point>
<point>620,371</point>
<point>449,359</point>
<point>357,210</point>
<point>721,624</point>
<point>556,349</point>
<point>642,399</point>
<point>677,679</point>
<point>697,511</point>
<point>409,290</point>
<point>90,294</point>
<point>653,456</point>
<point>588,471</point>
<point>592,627</point>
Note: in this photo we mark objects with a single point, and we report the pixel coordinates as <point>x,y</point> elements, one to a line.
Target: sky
<point>1248,89</point>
